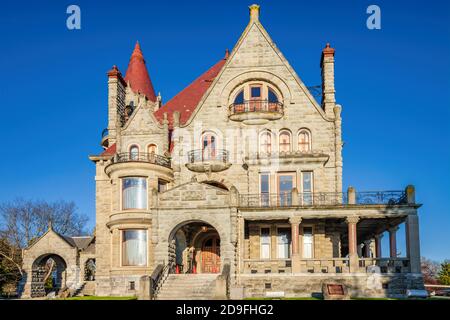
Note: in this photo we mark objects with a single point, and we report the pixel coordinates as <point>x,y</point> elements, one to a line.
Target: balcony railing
<point>254,110</point>
<point>288,199</point>
<point>142,157</point>
<point>381,197</point>
<point>195,156</point>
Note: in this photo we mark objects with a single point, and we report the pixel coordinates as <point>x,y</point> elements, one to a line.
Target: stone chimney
<point>254,12</point>
<point>116,102</point>
<point>328,92</point>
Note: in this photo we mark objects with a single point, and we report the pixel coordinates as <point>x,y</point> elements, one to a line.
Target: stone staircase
<point>188,287</point>
<point>86,288</point>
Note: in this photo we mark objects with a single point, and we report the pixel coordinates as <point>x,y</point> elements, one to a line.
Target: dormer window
<point>256,102</point>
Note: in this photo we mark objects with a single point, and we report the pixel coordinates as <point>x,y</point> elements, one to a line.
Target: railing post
<point>295,197</point>
<point>410,194</point>
<point>351,195</point>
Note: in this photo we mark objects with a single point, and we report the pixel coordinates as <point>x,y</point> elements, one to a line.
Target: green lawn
<point>100,298</point>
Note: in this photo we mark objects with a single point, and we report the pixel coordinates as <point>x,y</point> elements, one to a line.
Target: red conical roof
<point>137,74</point>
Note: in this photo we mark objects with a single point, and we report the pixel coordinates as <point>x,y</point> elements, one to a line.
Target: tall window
<point>265,188</point>
<point>265,243</point>
<point>307,187</point>
<point>134,152</point>
<point>134,247</point>
<point>304,141</point>
<point>285,141</point>
<point>307,242</point>
<point>283,241</point>
<point>209,146</point>
<point>134,193</point>
<point>265,142</point>
<point>286,182</point>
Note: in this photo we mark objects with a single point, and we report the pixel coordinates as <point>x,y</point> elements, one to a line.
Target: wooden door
<point>211,255</point>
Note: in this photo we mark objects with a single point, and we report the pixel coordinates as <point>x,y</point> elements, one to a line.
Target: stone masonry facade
<point>240,174</point>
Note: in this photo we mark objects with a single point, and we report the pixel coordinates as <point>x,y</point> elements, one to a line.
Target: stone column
<point>393,241</point>
<point>295,222</point>
<point>352,243</point>
<point>413,242</point>
<point>367,245</point>
<point>378,250</point>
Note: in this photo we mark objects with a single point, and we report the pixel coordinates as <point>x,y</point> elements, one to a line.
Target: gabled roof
<point>137,75</point>
<point>187,100</point>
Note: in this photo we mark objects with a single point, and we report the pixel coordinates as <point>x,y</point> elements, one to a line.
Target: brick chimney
<point>328,92</point>
<point>116,98</point>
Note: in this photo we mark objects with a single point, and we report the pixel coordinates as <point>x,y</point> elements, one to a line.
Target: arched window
<point>304,141</point>
<point>265,142</point>
<point>285,141</point>
<point>209,146</point>
<point>272,96</point>
<point>152,149</point>
<point>134,152</point>
<point>239,98</point>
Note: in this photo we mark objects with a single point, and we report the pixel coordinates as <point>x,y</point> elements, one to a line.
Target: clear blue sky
<point>393,84</point>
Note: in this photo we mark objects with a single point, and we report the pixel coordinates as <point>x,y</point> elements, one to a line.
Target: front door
<point>211,255</point>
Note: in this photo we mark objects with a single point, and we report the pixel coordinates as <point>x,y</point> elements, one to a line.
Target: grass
<point>100,298</point>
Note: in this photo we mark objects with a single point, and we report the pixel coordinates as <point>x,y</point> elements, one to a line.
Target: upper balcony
<point>323,199</point>
<point>256,111</point>
<point>142,157</point>
<point>208,160</point>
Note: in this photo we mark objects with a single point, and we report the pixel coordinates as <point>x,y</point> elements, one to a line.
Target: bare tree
<point>24,221</point>
<point>430,270</point>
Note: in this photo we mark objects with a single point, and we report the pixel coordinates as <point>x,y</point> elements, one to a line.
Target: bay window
<point>134,193</point>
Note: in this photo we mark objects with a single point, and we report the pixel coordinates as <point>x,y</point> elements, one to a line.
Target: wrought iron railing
<point>288,199</point>
<point>381,197</point>
<point>256,106</point>
<point>196,156</point>
<point>143,157</point>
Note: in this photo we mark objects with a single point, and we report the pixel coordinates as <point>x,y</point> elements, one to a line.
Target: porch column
<point>413,242</point>
<point>378,251</point>
<point>352,243</point>
<point>393,241</point>
<point>295,222</point>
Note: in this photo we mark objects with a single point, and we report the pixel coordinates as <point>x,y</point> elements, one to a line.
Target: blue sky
<point>393,84</point>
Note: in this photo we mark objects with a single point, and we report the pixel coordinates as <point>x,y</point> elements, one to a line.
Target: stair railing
<point>158,277</point>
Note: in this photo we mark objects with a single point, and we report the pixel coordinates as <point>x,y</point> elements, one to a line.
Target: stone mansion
<point>231,189</point>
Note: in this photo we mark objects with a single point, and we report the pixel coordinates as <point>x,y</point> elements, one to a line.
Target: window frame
<point>121,192</point>
<point>289,243</point>
<point>214,135</point>
<point>303,241</point>
<point>261,227</point>
<point>270,135</point>
<point>282,132</point>
<point>308,132</point>
<point>130,148</point>
<point>121,253</point>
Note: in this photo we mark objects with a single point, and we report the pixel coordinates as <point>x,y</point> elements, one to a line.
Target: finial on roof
<point>254,12</point>
<point>50,225</point>
<point>227,53</point>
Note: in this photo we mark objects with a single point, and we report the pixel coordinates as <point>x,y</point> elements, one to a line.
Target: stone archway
<point>199,250</point>
<point>48,273</point>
